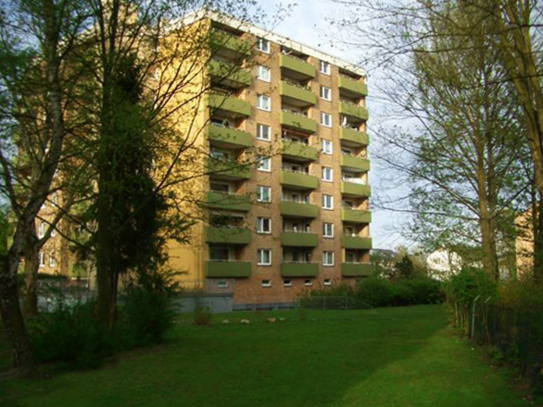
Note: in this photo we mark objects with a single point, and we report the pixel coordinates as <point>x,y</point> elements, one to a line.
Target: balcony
<point>227,269</point>
<point>356,269</point>
<point>228,104</point>
<point>229,169</point>
<point>297,95</point>
<point>357,242</point>
<point>299,180</point>
<point>355,216</point>
<point>300,68</point>
<point>222,40</point>
<point>356,112</point>
<point>298,122</point>
<point>353,137</point>
<point>355,189</point>
<point>352,87</point>
<point>228,74</point>
<point>224,235</point>
<point>299,209</point>
<point>221,200</point>
<point>299,269</point>
<point>229,137</point>
<point>297,239</point>
<point>299,151</point>
<point>355,163</point>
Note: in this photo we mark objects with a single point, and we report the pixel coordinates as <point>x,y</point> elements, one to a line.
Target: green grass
<point>383,357</point>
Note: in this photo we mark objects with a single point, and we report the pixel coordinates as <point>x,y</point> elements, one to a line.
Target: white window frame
<point>260,258</point>
<point>259,195</point>
<point>264,164</point>
<point>326,93</point>
<point>324,67</point>
<point>287,282</point>
<point>52,261</point>
<point>261,103</point>
<point>324,122</point>
<point>260,132</point>
<point>266,283</point>
<point>260,225</point>
<point>263,73</point>
<point>327,171</point>
<point>308,283</point>
<point>325,201</point>
<point>41,259</point>
<point>326,257</point>
<point>222,283</point>
<point>325,229</point>
<point>327,143</point>
<point>327,282</point>
<point>42,229</point>
<point>263,45</point>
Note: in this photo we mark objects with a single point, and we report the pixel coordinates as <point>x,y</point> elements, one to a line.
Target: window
<point>52,261</point>
<point>53,233</point>
<point>263,102</point>
<point>326,93</point>
<point>263,73</point>
<point>328,230</point>
<point>326,146</point>
<point>327,282</point>
<point>325,67</point>
<point>263,132</point>
<point>41,230</point>
<point>219,253</point>
<point>266,283</point>
<point>264,164</point>
<point>308,283</point>
<point>263,225</point>
<point>222,284</point>
<point>327,201</point>
<point>263,194</point>
<point>327,174</point>
<point>41,259</point>
<point>264,257</point>
<point>327,258</point>
<point>326,119</point>
<point>263,45</point>
<point>287,283</point>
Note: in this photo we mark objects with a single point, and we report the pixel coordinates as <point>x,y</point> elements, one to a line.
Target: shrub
<point>424,290</point>
<point>375,291</point>
<point>468,284</point>
<point>202,316</point>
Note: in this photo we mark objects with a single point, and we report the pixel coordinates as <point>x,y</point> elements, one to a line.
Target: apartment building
<point>298,219</point>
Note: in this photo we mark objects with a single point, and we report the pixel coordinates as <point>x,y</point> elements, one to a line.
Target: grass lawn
<point>383,357</point>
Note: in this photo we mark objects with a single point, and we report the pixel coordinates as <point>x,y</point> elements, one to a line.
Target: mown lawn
<point>383,357</point>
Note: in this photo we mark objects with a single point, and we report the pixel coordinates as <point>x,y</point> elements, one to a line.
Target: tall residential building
<point>298,219</point>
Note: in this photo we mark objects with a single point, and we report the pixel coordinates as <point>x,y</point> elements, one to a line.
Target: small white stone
<point>271,319</point>
<point>244,321</point>
<point>226,321</point>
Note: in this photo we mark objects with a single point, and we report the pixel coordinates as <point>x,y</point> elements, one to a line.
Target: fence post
<point>473,317</point>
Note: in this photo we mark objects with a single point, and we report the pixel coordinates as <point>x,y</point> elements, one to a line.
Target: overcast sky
<point>307,24</point>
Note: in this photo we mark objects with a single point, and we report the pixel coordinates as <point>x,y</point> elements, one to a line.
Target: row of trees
<point>466,77</point>
<point>93,101</point>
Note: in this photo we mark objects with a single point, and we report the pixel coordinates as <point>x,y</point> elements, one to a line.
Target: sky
<point>307,24</point>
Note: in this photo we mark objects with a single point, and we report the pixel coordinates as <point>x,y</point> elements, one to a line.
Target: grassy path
<point>384,357</point>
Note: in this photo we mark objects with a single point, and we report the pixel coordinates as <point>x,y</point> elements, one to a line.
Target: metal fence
<point>517,337</point>
<point>332,303</point>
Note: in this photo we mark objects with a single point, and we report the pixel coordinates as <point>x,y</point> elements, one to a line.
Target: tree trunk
<point>31,253</point>
<point>538,241</point>
<point>12,316</point>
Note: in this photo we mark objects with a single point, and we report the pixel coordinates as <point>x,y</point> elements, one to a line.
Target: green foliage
<point>202,316</point>
<point>404,268</point>
<point>375,291</point>
<point>468,284</point>
<point>4,232</point>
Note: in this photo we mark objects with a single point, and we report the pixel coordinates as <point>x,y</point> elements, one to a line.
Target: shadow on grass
<point>289,363</point>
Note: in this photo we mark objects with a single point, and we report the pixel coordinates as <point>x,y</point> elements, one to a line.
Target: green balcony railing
<point>228,235</point>
<point>297,65</point>
<point>228,269</point>
<point>230,136</point>
<point>298,209</point>
<point>221,39</point>
<point>352,110</point>
<point>299,269</point>
<point>299,239</point>
<point>228,103</point>
<point>298,122</point>
<point>357,242</point>
<point>352,86</point>
<point>220,200</point>
<point>299,180</point>
<point>229,74</point>
<point>306,96</point>
<point>355,163</point>
<point>299,150</point>
<point>355,216</point>
<point>228,168</point>
<point>356,269</point>
<point>359,190</point>
<point>354,137</point>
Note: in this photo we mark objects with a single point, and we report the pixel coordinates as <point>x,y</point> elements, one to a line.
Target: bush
<point>202,316</point>
<point>468,284</point>
<point>423,290</point>
<point>375,291</point>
